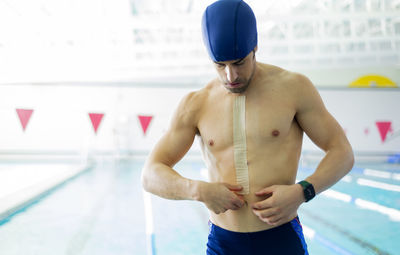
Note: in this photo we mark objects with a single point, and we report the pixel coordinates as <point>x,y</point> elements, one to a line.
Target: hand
<point>220,197</point>
<point>281,205</point>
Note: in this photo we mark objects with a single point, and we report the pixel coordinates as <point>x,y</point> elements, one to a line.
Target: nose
<point>231,73</point>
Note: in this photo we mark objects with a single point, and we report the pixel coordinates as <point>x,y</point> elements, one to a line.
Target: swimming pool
<point>103,212</point>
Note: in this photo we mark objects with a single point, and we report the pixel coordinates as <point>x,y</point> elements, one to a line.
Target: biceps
<point>321,127</point>
<point>173,146</point>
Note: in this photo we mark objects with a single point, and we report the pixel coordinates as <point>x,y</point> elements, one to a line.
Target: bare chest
<point>267,121</point>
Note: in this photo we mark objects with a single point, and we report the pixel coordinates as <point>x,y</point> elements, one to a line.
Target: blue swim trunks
<point>287,239</point>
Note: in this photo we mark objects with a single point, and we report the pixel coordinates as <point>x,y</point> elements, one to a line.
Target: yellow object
<point>373,81</point>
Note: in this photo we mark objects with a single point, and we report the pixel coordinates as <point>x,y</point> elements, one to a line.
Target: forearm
<point>336,164</point>
<point>163,181</point>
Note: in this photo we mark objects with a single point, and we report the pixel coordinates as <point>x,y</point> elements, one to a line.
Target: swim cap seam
<point>235,50</point>
<point>208,34</point>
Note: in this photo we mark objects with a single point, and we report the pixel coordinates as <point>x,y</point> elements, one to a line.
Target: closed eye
<point>239,63</point>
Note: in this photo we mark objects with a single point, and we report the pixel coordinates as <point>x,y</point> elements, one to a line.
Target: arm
<point>159,178</point>
<point>327,134</point>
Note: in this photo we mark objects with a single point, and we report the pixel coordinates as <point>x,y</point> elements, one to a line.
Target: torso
<point>273,136</point>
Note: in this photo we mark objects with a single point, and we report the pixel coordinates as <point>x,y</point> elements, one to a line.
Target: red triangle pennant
<point>384,127</point>
<point>96,120</point>
<point>145,122</point>
<point>24,116</point>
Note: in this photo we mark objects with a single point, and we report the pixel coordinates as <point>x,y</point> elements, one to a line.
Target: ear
<point>254,50</point>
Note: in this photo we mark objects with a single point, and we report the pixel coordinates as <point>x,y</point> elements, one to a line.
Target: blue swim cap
<point>229,30</point>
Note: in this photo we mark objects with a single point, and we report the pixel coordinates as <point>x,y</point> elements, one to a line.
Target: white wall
<point>342,77</point>
<point>358,110</point>
<point>60,122</point>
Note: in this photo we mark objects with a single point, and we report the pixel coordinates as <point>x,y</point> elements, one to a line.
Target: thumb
<point>265,191</point>
<point>233,187</point>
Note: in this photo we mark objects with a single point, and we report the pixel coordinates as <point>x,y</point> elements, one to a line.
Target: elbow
<point>344,155</point>
<point>350,157</point>
<point>145,180</point>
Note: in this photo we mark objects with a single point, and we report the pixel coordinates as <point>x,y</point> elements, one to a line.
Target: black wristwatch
<point>308,190</point>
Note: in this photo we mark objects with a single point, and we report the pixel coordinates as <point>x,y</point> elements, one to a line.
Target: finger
<point>239,202</point>
<point>235,207</point>
<point>265,213</point>
<point>257,213</point>
<point>220,211</point>
<point>235,203</point>
<point>274,221</point>
<point>265,191</point>
<point>262,205</point>
<point>233,187</point>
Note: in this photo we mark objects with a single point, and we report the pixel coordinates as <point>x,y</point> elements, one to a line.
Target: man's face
<point>236,74</point>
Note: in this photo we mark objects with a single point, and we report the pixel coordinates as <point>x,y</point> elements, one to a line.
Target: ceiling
<point>106,40</point>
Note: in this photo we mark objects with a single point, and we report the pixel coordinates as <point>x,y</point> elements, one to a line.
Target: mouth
<point>234,84</point>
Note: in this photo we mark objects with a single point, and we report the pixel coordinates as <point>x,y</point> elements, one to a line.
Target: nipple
<point>275,133</point>
<point>211,142</point>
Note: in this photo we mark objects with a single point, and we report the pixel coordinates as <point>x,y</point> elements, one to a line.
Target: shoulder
<point>299,80</point>
<point>289,78</point>
<point>285,81</point>
<point>194,100</point>
<point>192,104</point>
<point>294,83</point>
<point>302,86</point>
<point>283,75</point>
<point>296,87</point>
<point>303,91</point>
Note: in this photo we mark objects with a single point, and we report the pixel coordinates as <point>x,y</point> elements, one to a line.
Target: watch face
<point>308,189</point>
<point>308,192</point>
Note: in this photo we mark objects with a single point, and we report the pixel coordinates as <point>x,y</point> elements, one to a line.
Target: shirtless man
<point>251,121</point>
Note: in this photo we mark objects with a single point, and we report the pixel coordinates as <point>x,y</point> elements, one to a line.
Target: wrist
<point>197,190</point>
<point>299,191</point>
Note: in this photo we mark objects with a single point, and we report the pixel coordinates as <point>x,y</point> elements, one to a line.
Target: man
<point>251,121</point>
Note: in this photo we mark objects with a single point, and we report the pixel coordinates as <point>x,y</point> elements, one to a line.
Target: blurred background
<point>87,87</point>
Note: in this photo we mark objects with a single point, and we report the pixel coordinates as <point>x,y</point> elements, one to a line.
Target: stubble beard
<point>247,83</point>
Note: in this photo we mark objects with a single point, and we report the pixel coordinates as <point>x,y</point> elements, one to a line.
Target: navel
<point>275,133</point>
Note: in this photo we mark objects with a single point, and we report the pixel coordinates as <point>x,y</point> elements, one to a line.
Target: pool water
<point>103,212</point>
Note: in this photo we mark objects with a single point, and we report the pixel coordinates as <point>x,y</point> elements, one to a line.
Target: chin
<point>237,90</point>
